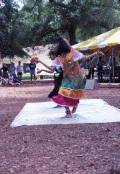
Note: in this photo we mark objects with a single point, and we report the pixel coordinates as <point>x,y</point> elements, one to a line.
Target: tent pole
<point>109,69</point>
<point>113,66</point>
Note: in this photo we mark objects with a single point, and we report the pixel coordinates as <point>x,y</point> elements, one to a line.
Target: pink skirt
<point>65,101</point>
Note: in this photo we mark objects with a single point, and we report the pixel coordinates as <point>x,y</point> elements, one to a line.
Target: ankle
<point>68,112</point>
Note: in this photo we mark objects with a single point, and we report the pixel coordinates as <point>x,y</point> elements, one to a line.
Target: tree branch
<point>48,32</point>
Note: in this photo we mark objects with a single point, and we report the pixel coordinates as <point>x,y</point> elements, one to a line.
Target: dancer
<point>56,66</point>
<point>72,86</point>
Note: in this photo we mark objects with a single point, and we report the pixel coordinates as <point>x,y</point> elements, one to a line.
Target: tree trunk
<point>39,9</point>
<point>72,30</point>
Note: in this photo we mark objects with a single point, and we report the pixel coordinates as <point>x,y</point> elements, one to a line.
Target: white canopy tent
<point>108,42</point>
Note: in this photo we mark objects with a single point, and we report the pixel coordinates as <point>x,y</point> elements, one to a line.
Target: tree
<point>89,17</point>
<point>10,27</point>
<point>39,22</point>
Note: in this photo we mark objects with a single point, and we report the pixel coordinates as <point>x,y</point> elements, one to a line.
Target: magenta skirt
<point>65,101</point>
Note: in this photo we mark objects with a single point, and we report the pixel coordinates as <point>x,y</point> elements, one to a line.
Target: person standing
<point>91,65</point>
<point>71,89</point>
<point>12,69</point>
<point>100,64</point>
<point>19,70</point>
<point>5,70</point>
<point>1,73</point>
<point>32,67</point>
<point>113,68</point>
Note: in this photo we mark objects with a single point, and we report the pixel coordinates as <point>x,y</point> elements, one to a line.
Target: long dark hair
<point>53,52</point>
<point>62,47</point>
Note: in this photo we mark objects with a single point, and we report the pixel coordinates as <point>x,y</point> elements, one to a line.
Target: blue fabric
<point>32,72</point>
<point>74,83</point>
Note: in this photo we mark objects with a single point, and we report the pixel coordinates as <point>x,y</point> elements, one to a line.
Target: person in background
<point>100,64</point>
<point>10,80</point>
<point>19,70</point>
<point>4,70</point>
<point>13,80</point>
<point>1,78</point>
<point>32,67</point>
<point>16,80</point>
<point>12,68</point>
<point>113,66</point>
<point>1,73</point>
<point>91,65</point>
<point>5,80</point>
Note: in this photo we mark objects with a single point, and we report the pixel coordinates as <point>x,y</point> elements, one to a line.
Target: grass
<point>28,77</point>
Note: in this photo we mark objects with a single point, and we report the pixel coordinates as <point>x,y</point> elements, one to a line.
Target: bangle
<point>68,112</point>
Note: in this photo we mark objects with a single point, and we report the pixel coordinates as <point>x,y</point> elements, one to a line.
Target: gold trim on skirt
<point>71,93</point>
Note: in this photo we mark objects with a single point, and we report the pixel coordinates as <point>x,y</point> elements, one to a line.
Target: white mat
<point>89,111</point>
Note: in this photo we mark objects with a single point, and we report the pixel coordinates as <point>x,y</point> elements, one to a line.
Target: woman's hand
<point>39,71</point>
<point>37,61</point>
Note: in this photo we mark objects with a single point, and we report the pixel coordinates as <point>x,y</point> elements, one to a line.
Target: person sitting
<point>13,80</point>
<point>5,80</point>
<point>16,80</point>
<point>10,80</point>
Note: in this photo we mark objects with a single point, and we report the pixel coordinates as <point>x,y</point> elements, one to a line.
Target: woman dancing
<point>71,89</point>
<point>57,67</point>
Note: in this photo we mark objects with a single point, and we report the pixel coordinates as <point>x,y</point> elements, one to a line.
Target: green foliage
<point>27,77</point>
<point>10,32</point>
<point>39,22</point>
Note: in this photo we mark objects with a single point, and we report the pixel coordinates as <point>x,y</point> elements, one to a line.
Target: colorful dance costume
<point>58,76</point>
<point>72,85</point>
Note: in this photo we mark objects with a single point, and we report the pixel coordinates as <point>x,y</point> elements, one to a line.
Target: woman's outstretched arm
<point>84,58</point>
<point>39,71</point>
<point>51,68</point>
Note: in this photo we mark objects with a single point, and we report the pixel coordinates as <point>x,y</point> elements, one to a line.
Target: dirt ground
<point>56,149</point>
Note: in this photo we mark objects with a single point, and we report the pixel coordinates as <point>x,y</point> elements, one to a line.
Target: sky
<point>20,3</point>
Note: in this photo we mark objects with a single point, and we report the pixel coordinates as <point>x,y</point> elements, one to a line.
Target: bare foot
<point>57,106</point>
<point>74,110</point>
<point>67,116</point>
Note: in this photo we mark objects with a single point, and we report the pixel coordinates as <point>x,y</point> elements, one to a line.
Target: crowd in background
<point>11,75</point>
<point>92,66</point>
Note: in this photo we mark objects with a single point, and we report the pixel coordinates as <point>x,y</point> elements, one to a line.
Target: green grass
<point>28,77</point>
